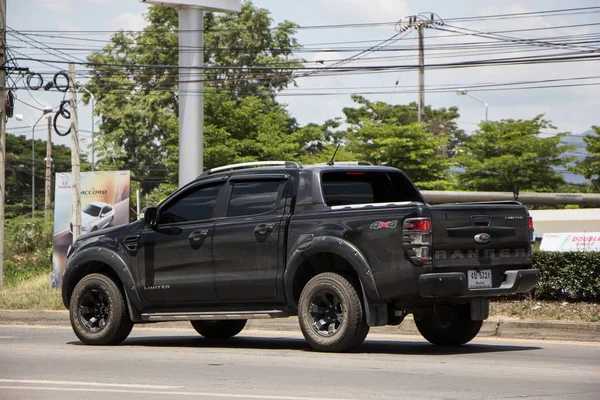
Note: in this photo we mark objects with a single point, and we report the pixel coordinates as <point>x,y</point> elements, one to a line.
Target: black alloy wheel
<point>448,325</point>
<point>326,313</point>
<point>331,313</point>
<point>94,310</point>
<point>98,311</point>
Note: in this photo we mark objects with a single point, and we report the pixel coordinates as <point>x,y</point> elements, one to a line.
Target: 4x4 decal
<point>384,224</point>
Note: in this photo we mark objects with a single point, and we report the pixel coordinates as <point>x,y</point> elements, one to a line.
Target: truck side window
<point>195,205</point>
<point>253,198</point>
<point>361,187</point>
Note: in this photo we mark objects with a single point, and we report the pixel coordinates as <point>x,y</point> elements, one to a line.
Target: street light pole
<point>93,123</point>
<point>466,93</point>
<point>20,117</point>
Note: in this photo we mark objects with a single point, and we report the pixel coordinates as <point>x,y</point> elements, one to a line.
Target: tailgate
<point>479,235</point>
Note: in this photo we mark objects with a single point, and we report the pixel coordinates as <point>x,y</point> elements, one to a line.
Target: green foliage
<point>28,248</point>
<point>508,154</point>
<point>18,172</point>
<point>568,275</point>
<point>139,102</point>
<point>385,134</point>
<point>590,166</point>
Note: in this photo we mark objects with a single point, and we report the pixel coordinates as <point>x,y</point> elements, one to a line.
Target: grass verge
<point>534,310</point>
<point>32,294</point>
<point>36,294</point>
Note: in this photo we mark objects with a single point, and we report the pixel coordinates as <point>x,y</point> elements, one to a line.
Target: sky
<point>570,109</point>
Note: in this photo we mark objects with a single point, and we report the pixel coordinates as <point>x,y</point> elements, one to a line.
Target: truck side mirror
<point>150,216</point>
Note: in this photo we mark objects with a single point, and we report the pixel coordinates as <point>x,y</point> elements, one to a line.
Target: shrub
<point>28,248</point>
<point>568,275</point>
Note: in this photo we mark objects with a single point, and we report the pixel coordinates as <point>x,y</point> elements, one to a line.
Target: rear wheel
<point>448,325</point>
<point>219,329</point>
<point>98,311</point>
<point>331,313</point>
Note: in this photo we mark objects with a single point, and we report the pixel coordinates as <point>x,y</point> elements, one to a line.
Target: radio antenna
<point>330,162</point>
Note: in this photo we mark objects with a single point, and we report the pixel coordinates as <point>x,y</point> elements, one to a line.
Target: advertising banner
<point>588,241</point>
<point>104,203</point>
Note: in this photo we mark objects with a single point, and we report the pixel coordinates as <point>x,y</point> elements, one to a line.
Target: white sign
<point>208,5</point>
<point>586,241</point>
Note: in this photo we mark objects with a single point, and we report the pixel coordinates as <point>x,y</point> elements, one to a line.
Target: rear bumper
<point>454,284</point>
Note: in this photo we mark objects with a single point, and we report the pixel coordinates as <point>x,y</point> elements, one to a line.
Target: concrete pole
<point>435,196</point>
<point>48,180</point>
<point>33,169</point>
<point>191,94</point>
<point>421,74</point>
<point>75,167</point>
<point>2,132</point>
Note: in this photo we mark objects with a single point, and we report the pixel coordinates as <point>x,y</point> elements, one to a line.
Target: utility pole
<point>420,22</point>
<point>48,181</point>
<point>421,74</point>
<point>3,94</point>
<point>75,154</point>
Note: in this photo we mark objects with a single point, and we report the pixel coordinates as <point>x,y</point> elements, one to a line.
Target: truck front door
<point>175,257</point>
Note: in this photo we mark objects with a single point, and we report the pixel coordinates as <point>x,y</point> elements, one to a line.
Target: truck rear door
<point>481,239</point>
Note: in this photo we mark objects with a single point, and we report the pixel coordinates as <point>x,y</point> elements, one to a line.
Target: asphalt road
<point>50,363</point>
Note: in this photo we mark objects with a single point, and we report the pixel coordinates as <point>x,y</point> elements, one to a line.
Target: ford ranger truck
<point>343,247</point>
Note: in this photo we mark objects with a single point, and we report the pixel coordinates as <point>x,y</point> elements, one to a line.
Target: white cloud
<point>129,21</point>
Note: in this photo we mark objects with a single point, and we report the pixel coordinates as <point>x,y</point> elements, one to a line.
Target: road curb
<point>493,327</point>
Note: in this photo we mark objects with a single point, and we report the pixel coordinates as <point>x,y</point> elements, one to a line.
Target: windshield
<point>92,210</point>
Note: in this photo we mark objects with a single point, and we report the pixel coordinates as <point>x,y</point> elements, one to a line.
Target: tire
<point>98,311</point>
<point>451,326</point>
<point>331,314</point>
<point>219,329</point>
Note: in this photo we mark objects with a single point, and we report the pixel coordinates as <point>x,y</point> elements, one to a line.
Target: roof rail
<point>232,167</point>
<point>351,163</point>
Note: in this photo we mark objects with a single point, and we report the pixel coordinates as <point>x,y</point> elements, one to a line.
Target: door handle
<point>263,229</point>
<point>197,236</point>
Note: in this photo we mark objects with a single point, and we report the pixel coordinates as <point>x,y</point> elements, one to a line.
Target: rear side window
<point>254,197</point>
<point>364,187</point>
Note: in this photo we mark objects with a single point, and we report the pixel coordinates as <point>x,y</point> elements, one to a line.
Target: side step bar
<point>214,315</point>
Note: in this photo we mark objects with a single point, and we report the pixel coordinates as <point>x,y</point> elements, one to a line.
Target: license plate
<point>479,279</point>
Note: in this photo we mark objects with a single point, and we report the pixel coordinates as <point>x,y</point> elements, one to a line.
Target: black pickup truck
<point>344,247</point>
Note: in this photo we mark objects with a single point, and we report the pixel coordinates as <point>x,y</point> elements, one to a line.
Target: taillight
<point>416,237</point>
<point>530,229</point>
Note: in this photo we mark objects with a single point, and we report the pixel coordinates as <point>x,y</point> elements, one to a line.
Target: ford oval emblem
<point>482,238</point>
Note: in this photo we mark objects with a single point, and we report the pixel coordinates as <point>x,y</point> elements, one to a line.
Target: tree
<point>18,171</point>
<point>510,154</point>
<point>441,121</point>
<point>388,134</point>
<point>590,166</point>
<point>135,81</point>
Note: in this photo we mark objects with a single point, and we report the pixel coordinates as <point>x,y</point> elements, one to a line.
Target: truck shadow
<point>374,346</point>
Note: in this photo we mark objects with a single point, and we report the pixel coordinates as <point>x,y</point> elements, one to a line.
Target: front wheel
<point>331,314</point>
<point>219,329</point>
<point>98,311</point>
<point>448,325</point>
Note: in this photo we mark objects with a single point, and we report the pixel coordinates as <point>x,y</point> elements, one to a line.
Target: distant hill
<point>580,153</point>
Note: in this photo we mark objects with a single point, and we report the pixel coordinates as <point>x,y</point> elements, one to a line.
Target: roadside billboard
<point>579,241</point>
<point>104,203</point>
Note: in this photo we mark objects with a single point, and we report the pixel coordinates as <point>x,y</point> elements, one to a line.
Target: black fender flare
<point>115,262</point>
<point>329,244</point>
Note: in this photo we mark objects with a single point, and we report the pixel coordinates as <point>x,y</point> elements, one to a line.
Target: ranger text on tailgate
<point>344,247</point>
